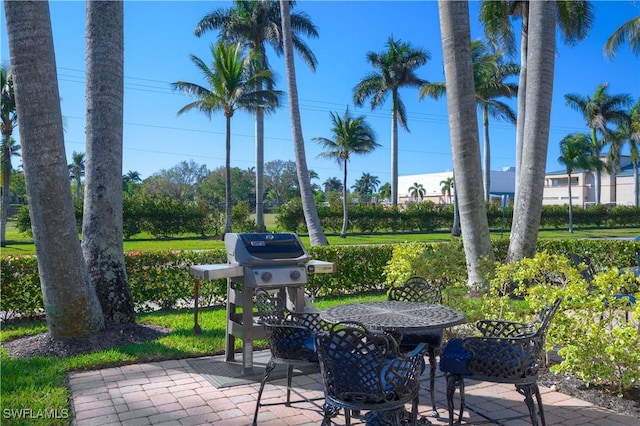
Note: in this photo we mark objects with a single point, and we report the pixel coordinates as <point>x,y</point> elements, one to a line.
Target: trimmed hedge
<point>161,280</point>
<point>428,216</point>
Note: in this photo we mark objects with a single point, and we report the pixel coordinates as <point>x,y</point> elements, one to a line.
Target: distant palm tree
<point>629,32</point>
<point>599,112</point>
<point>333,184</point>
<point>366,185</point>
<point>629,133</point>
<point>575,152</point>
<point>9,121</point>
<point>490,73</point>
<point>131,177</point>
<point>76,170</point>
<point>417,191</point>
<point>257,23</point>
<point>231,86</point>
<point>447,186</point>
<point>351,136</point>
<point>385,191</point>
<point>395,69</point>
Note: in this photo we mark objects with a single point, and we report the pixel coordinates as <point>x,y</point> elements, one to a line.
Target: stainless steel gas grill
<point>273,261</point>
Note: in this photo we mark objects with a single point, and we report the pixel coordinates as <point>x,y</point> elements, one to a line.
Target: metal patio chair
<point>507,352</point>
<point>291,340</point>
<point>364,371</point>
<point>418,289</point>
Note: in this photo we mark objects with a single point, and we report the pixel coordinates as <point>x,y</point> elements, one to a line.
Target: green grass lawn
<point>19,243</point>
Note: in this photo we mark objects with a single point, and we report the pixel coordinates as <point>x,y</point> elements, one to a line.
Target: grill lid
<point>264,248</point>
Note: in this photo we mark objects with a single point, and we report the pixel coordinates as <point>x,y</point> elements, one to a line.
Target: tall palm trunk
<point>316,235</point>
<point>6,186</point>
<point>455,229</point>
<point>463,125</point>
<point>570,206</point>
<point>227,177</point>
<point>70,303</point>
<point>345,209</point>
<point>522,93</point>
<point>636,187</point>
<point>486,153</point>
<point>598,175</point>
<point>102,220</point>
<point>540,69</point>
<point>260,170</point>
<point>394,149</point>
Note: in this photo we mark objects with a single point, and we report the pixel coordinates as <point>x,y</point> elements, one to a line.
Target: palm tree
<point>132,177</point>
<point>351,136</point>
<point>76,170</point>
<point>9,121</point>
<point>417,191</point>
<point>629,32</point>
<point>366,185</point>
<point>102,226</point>
<point>463,127</point>
<point>385,191</point>
<point>395,69</point>
<point>71,306</point>
<point>629,133</point>
<point>257,23</point>
<point>535,142</point>
<point>447,186</point>
<point>598,112</point>
<point>490,73</point>
<point>231,86</point>
<point>574,20</point>
<point>332,184</point>
<point>316,234</point>
<point>575,152</point>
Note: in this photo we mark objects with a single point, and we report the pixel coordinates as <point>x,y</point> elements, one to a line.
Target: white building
<point>502,183</point>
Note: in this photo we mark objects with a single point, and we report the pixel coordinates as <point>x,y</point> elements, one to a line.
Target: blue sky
<point>159,38</point>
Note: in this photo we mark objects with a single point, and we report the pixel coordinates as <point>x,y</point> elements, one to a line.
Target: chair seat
<point>494,358</point>
<point>455,358</point>
<point>412,339</point>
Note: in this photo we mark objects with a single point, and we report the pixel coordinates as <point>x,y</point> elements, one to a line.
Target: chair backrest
<point>416,289</point>
<point>511,358</point>
<point>363,367</point>
<point>290,337</point>
<point>584,265</point>
<point>271,309</point>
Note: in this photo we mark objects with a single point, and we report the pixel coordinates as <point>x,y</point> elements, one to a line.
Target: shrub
<point>400,267</point>
<point>590,330</point>
<point>21,293</point>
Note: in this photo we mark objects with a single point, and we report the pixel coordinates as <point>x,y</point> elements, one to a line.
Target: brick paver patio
<point>173,393</point>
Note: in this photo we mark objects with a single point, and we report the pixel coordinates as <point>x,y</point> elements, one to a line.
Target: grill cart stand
<point>277,262</point>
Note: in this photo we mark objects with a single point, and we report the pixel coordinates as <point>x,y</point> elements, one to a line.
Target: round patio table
<point>393,315</point>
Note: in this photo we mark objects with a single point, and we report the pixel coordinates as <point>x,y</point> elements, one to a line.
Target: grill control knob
<point>295,275</point>
<point>266,276</point>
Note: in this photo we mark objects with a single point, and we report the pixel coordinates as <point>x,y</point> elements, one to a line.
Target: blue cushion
<point>631,298</point>
<point>310,344</point>
<point>414,338</point>
<point>455,358</point>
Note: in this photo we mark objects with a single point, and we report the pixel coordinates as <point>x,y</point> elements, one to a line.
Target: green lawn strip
<point>196,242</point>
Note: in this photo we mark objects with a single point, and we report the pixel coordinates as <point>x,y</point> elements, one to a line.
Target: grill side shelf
<point>214,272</point>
